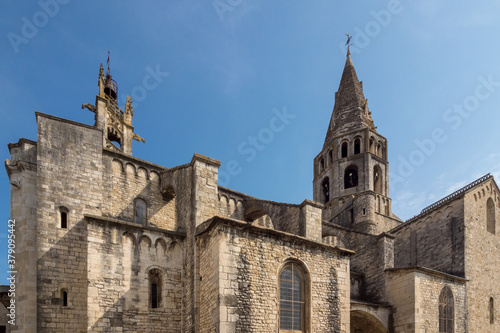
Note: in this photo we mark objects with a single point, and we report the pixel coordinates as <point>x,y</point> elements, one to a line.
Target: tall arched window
<point>490,215</point>
<point>377,179</point>
<point>140,211</point>
<point>344,149</point>
<point>292,298</point>
<point>321,164</point>
<point>155,288</point>
<point>330,156</point>
<point>325,189</point>
<point>492,310</point>
<point>446,311</point>
<point>351,177</point>
<point>357,146</point>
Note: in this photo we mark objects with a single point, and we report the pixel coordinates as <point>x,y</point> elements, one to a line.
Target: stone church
<point>113,243</point>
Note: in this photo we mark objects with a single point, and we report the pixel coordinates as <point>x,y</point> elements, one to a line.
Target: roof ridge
<point>450,197</point>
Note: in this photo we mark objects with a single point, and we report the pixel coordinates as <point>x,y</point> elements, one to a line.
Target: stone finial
<point>101,74</point>
<point>128,106</point>
<point>129,111</point>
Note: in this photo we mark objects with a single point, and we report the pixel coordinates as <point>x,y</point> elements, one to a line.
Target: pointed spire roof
<point>351,108</point>
<point>350,89</point>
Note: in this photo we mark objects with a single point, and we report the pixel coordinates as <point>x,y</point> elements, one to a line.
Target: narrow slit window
<point>377,179</point>
<point>357,146</point>
<point>140,211</point>
<point>492,310</point>
<point>154,296</point>
<point>351,177</point>
<point>64,297</point>
<point>155,289</point>
<point>325,186</point>
<point>490,216</point>
<point>64,220</point>
<point>344,149</point>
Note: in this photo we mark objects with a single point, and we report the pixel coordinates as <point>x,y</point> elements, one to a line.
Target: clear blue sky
<point>427,67</point>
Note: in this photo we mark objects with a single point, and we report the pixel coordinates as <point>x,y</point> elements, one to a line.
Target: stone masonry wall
<point>373,254</point>
<point>414,296</point>
<point>250,260</point>
<point>482,259</point>
<point>428,289</point>
<point>284,216</point>
<point>209,262</point>
<point>231,203</point>
<point>127,179</point>
<point>69,157</point>
<point>121,255</point>
<point>197,200</point>
<point>310,223</point>
<point>434,240</point>
<point>401,295</point>
<point>180,180</point>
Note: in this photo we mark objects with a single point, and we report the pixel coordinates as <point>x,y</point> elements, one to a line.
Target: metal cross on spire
<point>108,64</point>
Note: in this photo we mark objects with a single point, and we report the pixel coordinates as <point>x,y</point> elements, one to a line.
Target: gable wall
<point>482,261</point>
<point>69,158</point>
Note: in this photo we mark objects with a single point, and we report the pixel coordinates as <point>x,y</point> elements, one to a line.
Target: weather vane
<point>348,43</point>
<point>108,63</point>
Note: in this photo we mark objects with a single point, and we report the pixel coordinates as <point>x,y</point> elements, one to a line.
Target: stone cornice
<point>427,271</point>
<point>205,159</point>
<point>71,122</point>
<point>121,155</point>
<point>21,142</point>
<point>125,224</point>
<point>215,221</point>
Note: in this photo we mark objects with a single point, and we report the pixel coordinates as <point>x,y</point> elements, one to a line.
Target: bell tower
<point>351,172</point>
<point>116,125</point>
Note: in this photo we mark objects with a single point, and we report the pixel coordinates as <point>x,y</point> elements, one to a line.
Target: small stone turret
<point>115,124</point>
